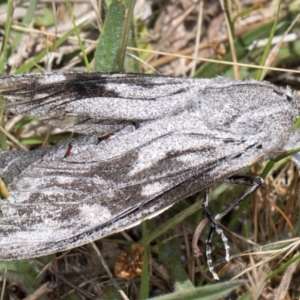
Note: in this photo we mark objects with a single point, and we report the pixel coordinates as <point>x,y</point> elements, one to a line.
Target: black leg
<point>253,183</point>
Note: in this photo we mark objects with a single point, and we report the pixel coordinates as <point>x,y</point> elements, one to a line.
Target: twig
<point>121,292</point>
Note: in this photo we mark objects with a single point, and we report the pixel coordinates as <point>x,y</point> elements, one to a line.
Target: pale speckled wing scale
<point>168,138</point>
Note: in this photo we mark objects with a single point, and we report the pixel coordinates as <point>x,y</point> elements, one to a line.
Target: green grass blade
<point>268,46</point>
<point>145,280</point>
<point>170,256</point>
<point>26,21</point>
<point>86,61</point>
<point>296,124</point>
<point>127,22</point>
<point>272,162</point>
<point>111,49</point>
<point>228,15</point>
<point>283,267</point>
<point>18,268</point>
<point>108,49</point>
<point>209,292</point>
<point>4,49</point>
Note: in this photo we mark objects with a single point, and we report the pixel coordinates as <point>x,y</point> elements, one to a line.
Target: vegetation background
<point>237,39</point>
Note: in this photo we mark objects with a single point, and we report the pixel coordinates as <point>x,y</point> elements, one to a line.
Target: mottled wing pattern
<point>57,203</point>
<point>71,100</point>
<point>184,139</point>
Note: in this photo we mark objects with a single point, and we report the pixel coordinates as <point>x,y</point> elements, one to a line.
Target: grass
<point>264,230</point>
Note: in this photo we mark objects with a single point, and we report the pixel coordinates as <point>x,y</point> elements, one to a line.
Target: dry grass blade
<point>42,290</point>
<point>282,290</point>
<point>103,262</point>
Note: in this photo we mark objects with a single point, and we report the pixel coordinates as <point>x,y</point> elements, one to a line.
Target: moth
<point>147,142</point>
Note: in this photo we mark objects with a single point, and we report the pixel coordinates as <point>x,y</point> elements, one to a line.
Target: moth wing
<point>82,190</point>
<point>77,191</point>
<point>95,103</point>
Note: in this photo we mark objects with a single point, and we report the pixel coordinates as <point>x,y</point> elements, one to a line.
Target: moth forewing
<point>165,139</point>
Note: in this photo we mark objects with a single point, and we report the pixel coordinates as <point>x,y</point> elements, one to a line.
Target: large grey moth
<point>148,141</point>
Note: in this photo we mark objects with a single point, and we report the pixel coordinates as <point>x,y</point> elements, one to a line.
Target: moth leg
<point>253,183</point>
<point>213,227</point>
